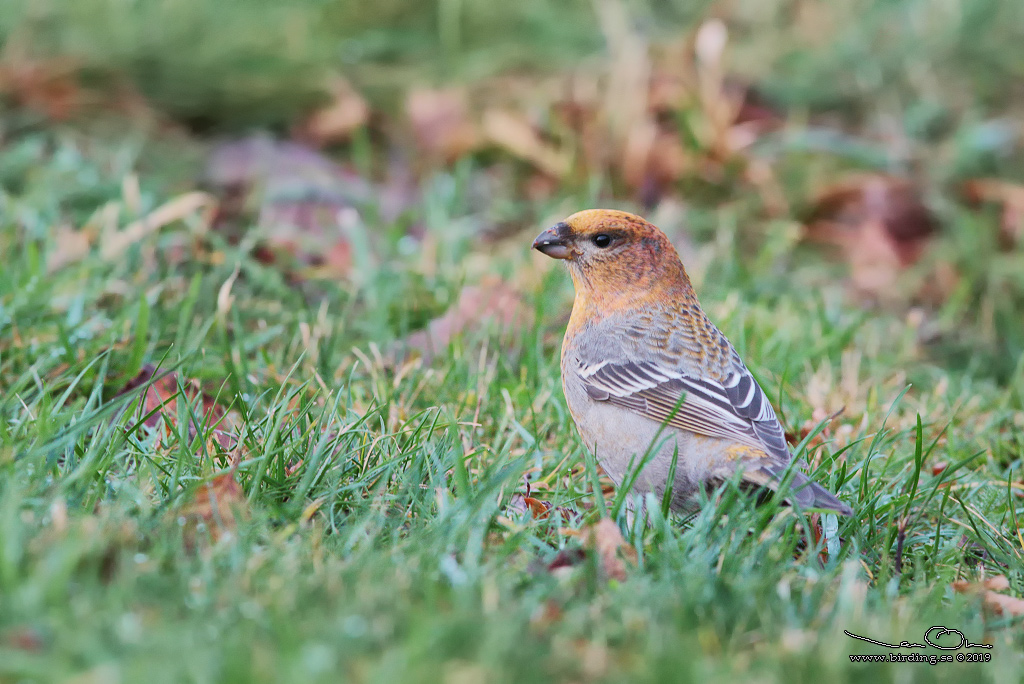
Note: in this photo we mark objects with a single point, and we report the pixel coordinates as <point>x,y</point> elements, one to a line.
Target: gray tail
<point>809,494</point>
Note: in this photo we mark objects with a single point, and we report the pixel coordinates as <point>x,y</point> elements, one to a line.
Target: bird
<point>649,379</point>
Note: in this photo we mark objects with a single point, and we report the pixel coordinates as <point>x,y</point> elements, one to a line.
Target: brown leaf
<point>992,600</point>
<point>546,614</point>
<point>112,245</point>
<point>567,558</point>
<point>1001,604</point>
<point>880,224</point>
<point>842,210</point>
<point>23,638</point>
<point>69,246</point>
<point>522,504</point>
<point>514,133</point>
<point>337,121</point>
<point>441,122</point>
<point>49,86</point>
<point>817,536</point>
<point>492,301</point>
<point>159,398</point>
<point>540,509</point>
<point>303,202</point>
<point>1010,196</point>
<point>216,506</point>
<point>613,553</point>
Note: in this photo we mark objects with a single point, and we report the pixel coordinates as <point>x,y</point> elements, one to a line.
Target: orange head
<point>616,259</point>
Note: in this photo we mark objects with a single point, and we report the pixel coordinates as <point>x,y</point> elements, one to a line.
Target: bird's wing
<point>735,409</point>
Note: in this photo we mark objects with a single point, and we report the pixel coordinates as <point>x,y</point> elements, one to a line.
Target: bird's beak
<point>554,242</point>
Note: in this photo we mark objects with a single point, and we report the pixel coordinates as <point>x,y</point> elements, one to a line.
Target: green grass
<point>377,544</point>
<point>376,541</point>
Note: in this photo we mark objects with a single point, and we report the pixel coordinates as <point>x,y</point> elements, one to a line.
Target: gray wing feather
<point>735,409</point>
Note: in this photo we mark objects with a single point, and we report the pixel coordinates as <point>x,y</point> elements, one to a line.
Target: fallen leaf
<point>546,614</point>
<point>23,638</point>
<point>613,553</point>
<point>493,301</point>
<point>567,558</point>
<point>441,122</point>
<point>538,508</point>
<point>1010,196</point>
<point>818,415</point>
<point>880,224</point>
<point>50,86</point>
<point>216,507</point>
<point>1001,604</point>
<point>159,404</point>
<point>69,246</point>
<point>515,134</point>
<point>818,537</point>
<point>840,212</point>
<point>113,244</point>
<point>992,599</point>
<point>347,112</point>
<point>302,202</point>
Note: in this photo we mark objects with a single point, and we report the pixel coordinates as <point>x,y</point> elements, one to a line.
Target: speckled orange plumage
<point>650,282</point>
<point>646,372</point>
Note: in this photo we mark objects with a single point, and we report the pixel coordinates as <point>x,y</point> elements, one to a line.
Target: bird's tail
<point>803,491</point>
<point>809,494</point>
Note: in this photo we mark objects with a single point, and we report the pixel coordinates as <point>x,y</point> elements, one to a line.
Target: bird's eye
<point>602,240</point>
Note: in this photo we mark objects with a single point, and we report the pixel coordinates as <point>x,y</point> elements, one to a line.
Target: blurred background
<point>279,376</point>
<point>876,140</point>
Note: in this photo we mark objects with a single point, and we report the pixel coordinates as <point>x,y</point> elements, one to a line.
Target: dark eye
<point>602,240</point>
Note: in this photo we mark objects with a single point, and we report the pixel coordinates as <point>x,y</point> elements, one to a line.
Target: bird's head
<point>614,256</point>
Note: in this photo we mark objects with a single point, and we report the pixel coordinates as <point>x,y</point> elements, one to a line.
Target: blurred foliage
<point>855,224</point>
<point>241,63</point>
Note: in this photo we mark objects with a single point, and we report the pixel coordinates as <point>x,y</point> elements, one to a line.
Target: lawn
<point>236,451</point>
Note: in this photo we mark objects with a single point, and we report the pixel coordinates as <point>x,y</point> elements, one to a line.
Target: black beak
<point>554,242</point>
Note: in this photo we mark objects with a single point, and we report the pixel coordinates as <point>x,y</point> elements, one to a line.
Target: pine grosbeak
<point>646,373</point>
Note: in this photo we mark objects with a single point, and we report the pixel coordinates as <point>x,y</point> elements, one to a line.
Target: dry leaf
<point>546,614</point>
<point>522,504</point>
<point>992,600</point>
<point>1001,604</point>
<point>159,403</point>
<point>216,506</point>
<point>441,122</point>
<point>567,558</point>
<point>1011,198</point>
<point>538,508</point>
<point>841,210</point>
<point>49,86</point>
<point>70,246</point>
<point>112,245</point>
<point>613,553</point>
<point>304,203</point>
<point>23,638</point>
<point>817,416</point>
<point>492,301</point>
<point>879,222</point>
<point>336,122</point>
<point>515,134</point>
